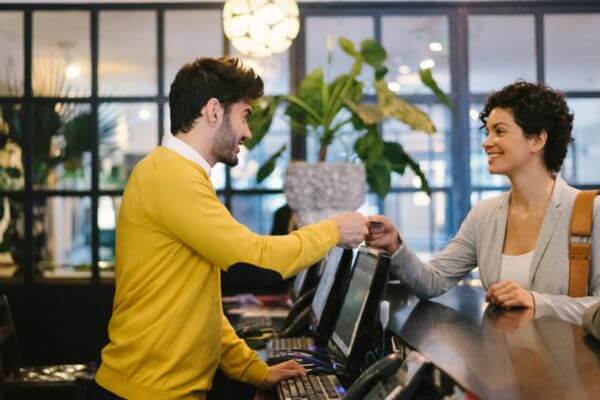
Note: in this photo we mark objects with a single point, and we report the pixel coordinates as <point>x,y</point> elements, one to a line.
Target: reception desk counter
<point>497,354</point>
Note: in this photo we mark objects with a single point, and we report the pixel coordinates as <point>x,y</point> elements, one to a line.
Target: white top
<point>185,150</point>
<point>516,268</point>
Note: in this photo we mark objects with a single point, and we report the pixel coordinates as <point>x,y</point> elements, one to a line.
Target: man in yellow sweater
<point>168,333</point>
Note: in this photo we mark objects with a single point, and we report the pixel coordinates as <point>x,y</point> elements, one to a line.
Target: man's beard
<point>225,143</point>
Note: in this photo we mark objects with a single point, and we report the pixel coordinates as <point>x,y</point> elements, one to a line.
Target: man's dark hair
<point>537,107</point>
<point>197,82</point>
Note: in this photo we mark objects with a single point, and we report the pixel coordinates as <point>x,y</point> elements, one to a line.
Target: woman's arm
<point>439,275</point>
<point>509,294</point>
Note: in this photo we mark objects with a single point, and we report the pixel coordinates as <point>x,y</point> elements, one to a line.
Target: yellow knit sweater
<point>168,333</point>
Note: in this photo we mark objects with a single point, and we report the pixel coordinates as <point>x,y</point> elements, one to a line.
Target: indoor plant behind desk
<point>319,190</point>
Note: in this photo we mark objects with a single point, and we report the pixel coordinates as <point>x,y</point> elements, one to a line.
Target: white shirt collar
<point>185,150</point>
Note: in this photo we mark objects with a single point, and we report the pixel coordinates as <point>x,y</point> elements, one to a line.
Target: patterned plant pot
<point>316,191</point>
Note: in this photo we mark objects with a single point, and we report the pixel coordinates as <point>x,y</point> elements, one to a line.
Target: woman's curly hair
<point>537,107</point>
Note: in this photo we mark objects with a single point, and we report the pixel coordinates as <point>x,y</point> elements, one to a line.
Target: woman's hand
<point>508,294</point>
<point>510,320</point>
<point>281,371</point>
<point>383,234</point>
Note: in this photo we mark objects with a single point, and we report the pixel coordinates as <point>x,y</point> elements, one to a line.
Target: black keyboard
<point>281,346</point>
<point>258,320</point>
<point>311,387</point>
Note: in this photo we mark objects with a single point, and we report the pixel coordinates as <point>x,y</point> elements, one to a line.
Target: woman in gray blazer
<point>519,239</point>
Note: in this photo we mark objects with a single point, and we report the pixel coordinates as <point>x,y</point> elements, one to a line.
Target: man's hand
<point>509,294</point>
<point>279,372</point>
<point>352,227</point>
<point>383,234</point>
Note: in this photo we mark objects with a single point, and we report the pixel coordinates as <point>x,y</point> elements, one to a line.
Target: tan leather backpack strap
<point>580,246</point>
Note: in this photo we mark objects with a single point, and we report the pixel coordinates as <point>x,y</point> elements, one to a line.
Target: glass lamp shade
<point>259,28</point>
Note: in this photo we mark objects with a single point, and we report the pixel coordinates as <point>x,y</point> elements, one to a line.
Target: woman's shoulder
<point>490,205</point>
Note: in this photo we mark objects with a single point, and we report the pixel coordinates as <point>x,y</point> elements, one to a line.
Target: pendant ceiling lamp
<point>259,28</point>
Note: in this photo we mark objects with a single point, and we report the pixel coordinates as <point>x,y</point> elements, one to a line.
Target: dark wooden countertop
<point>497,354</point>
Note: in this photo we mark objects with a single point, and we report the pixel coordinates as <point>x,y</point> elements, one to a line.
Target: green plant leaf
<point>419,172</point>
<point>261,118</point>
<point>393,106</point>
<point>399,159</point>
<point>309,94</point>
<point>269,166</point>
<point>77,141</point>
<point>313,116</point>
<point>373,53</point>
<point>310,89</point>
<point>348,47</point>
<point>369,146</point>
<point>369,114</point>
<point>379,176</point>
<point>395,154</point>
<point>344,91</point>
<point>428,80</point>
<point>381,72</point>
<point>13,172</point>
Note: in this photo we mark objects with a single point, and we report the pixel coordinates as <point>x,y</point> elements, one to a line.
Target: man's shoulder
<point>164,164</point>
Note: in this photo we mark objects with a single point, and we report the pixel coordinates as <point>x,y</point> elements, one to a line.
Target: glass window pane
<point>108,210</point>
<point>480,175</point>
<point>274,70</point>
<point>127,133</point>
<point>190,34</point>
<point>217,173</point>
<point>410,41</point>
<point>11,56</point>
<point>256,212</point>
<point>244,174</point>
<point>571,51</point>
<point>61,53</point>
<point>12,238</point>
<point>581,165</point>
<point>370,206</point>
<point>62,145</point>
<point>318,31</point>
<point>63,243</point>
<point>127,48</point>
<point>432,152</point>
<point>501,50</point>
<point>11,154</point>
<point>420,219</point>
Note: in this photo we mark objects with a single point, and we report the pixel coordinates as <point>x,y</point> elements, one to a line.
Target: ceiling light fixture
<point>260,28</point>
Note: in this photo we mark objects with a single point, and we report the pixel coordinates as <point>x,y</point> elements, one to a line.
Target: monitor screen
<point>299,282</point>
<point>354,303</point>
<point>326,282</point>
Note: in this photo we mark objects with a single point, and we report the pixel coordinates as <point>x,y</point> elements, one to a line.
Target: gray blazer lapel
<point>495,259</point>
<point>551,219</point>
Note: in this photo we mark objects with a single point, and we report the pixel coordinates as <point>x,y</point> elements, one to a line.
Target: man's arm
<point>241,363</point>
<point>190,211</point>
<point>238,361</point>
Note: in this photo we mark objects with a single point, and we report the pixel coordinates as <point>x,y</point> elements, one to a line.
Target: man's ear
<point>539,141</point>
<point>213,112</point>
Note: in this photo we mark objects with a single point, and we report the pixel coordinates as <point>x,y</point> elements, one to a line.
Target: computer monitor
<point>330,293</point>
<point>306,280</point>
<point>327,277</point>
<point>359,309</point>
<point>299,283</point>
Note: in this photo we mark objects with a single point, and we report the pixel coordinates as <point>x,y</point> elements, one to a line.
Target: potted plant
<point>315,191</point>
